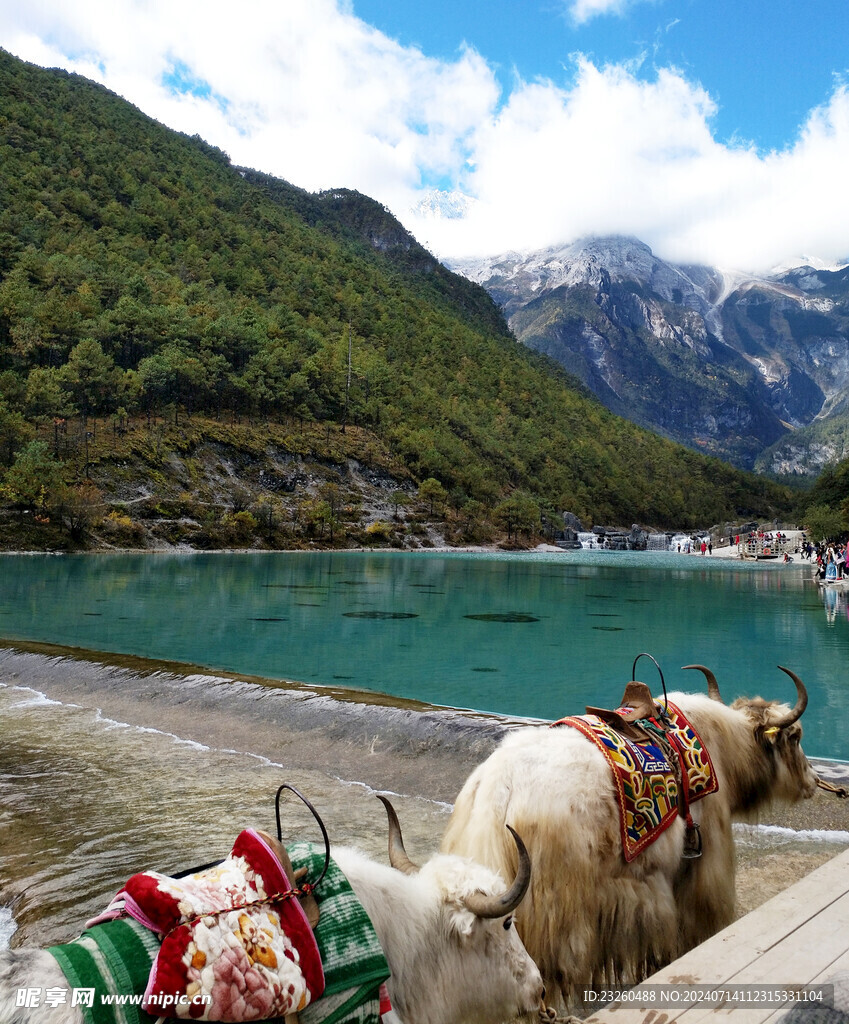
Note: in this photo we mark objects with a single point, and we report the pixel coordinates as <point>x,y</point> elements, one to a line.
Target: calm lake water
<point>535,635</point>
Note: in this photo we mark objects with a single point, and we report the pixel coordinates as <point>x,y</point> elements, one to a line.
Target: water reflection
<point>835,602</point>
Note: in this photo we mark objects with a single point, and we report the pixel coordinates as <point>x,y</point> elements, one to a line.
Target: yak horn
<point>500,906</point>
<point>712,685</point>
<point>397,854</point>
<point>801,700</point>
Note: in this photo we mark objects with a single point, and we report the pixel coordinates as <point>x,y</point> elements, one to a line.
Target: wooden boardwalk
<point>798,938</point>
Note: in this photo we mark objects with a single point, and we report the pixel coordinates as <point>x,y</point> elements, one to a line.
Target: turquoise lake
<point>536,635</point>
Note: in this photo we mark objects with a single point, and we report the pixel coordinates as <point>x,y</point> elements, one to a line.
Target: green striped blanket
<point>116,957</point>
<point>113,959</point>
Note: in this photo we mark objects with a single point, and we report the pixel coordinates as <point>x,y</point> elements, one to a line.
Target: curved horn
<point>801,700</point>
<point>500,906</point>
<point>397,854</point>
<point>712,685</point>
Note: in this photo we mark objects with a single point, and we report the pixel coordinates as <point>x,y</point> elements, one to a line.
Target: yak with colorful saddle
<point>660,766</point>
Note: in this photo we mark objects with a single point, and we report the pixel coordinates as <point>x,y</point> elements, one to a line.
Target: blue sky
<point>715,131</point>
<point>767,63</point>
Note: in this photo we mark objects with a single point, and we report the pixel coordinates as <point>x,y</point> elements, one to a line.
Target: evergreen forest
<point>158,303</point>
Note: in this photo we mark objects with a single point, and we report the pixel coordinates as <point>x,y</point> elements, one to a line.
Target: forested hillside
<point>827,503</point>
<point>156,301</point>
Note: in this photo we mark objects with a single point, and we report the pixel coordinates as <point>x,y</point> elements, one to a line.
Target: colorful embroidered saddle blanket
<point>123,956</point>
<point>646,783</point>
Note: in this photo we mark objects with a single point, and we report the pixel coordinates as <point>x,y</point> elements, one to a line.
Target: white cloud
<point>305,90</point>
<point>312,93</point>
<point>615,154</point>
<point>582,11</point>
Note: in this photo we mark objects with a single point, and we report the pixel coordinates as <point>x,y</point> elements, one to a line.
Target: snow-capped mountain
<point>723,361</point>
<point>440,205</point>
<point>807,262</point>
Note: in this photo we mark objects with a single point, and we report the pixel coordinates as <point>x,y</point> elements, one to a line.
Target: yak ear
<point>768,733</point>
<point>461,922</point>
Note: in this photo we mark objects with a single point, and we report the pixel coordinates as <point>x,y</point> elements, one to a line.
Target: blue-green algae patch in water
<point>554,631</point>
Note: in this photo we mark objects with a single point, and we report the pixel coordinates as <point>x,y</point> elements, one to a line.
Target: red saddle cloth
<point>646,783</point>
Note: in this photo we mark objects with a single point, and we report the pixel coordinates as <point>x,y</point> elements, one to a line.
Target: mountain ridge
<point>748,359</point>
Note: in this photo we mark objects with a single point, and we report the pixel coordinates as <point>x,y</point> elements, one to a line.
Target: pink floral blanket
<point>236,945</point>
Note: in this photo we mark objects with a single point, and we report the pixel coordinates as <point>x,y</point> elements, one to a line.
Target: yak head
<point>479,961</point>
<point>772,765</point>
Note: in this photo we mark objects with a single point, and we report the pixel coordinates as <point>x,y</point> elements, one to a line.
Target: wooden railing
<point>762,547</point>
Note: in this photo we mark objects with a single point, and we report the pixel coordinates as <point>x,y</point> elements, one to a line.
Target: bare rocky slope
<point>206,485</point>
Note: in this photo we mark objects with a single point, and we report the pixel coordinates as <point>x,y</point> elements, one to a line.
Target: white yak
<point>591,918</point>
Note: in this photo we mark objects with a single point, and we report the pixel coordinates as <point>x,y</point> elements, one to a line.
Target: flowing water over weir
<point>109,769</point>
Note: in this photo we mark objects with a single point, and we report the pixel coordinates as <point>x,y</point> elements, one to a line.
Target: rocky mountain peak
<point>724,361</point>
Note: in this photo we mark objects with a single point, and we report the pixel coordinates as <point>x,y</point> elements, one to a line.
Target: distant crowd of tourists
<point>830,560</point>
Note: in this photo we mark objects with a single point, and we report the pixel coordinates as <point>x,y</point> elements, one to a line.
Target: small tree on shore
<point>432,491</point>
<point>824,523</point>
<point>81,507</point>
<point>34,479</point>
<point>398,498</point>
<point>518,514</point>
<point>14,433</point>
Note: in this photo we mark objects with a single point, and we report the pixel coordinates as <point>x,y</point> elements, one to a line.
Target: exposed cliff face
<point>722,362</point>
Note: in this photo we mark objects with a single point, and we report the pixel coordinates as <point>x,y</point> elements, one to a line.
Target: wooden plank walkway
<point>798,938</point>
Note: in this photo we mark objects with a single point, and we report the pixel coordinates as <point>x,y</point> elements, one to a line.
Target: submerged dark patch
<point>484,670</point>
<point>609,629</point>
<point>268,618</point>
<point>503,617</point>
<point>380,615</point>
